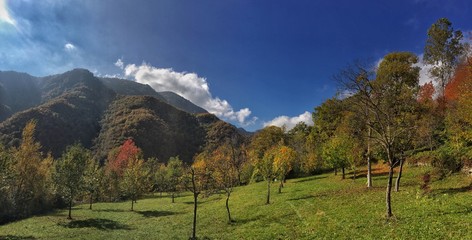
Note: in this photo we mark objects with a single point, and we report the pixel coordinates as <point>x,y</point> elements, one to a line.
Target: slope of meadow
<point>316,207</point>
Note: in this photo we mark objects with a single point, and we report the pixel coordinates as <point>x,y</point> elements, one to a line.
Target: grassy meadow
<point>317,207</point>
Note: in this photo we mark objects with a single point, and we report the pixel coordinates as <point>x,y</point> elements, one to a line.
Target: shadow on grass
<point>302,198</point>
<point>149,214</point>
<point>310,178</point>
<point>111,210</point>
<point>364,175</point>
<point>452,190</point>
<point>98,223</point>
<point>12,237</point>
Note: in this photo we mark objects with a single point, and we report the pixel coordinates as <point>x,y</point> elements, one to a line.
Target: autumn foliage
<point>126,153</point>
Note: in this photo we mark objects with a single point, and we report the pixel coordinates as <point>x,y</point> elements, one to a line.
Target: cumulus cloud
<point>290,122</point>
<point>119,63</point>
<point>188,85</point>
<point>4,14</point>
<point>69,47</point>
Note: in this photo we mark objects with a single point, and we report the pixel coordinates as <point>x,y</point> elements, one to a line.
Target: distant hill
<point>132,88</point>
<point>159,129</point>
<point>100,113</point>
<point>18,92</point>
<point>180,102</point>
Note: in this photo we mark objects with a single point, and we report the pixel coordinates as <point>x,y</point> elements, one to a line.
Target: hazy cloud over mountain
<point>188,85</point>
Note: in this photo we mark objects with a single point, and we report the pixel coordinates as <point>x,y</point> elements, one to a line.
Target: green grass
<point>317,207</point>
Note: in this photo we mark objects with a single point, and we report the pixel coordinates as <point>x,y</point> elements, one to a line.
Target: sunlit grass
<point>316,207</point>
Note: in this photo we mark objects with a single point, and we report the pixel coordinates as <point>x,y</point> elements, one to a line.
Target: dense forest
<point>78,139</point>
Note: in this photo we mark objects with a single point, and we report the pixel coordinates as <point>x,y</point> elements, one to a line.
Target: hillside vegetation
<point>316,207</point>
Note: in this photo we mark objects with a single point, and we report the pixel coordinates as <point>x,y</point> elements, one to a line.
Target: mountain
<point>132,88</point>
<point>180,102</point>
<point>73,104</point>
<point>158,128</point>
<point>100,113</point>
<point>18,92</point>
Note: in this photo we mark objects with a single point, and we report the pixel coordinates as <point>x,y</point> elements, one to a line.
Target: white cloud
<point>290,122</point>
<point>4,14</point>
<point>69,47</point>
<point>119,63</point>
<point>189,86</point>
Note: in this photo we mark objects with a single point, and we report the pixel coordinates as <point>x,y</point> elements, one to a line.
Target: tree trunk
<point>70,208</point>
<point>268,191</point>
<point>335,171</point>
<point>397,182</point>
<point>227,207</point>
<point>194,229</point>
<point>355,174</point>
<point>344,174</point>
<point>389,191</point>
<point>132,204</point>
<point>91,201</point>
<point>369,164</point>
<point>281,185</point>
<point>173,201</point>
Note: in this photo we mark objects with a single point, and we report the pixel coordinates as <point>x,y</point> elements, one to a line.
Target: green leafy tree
<point>175,171</point>
<point>391,101</point>
<point>93,176</point>
<point>134,182</point>
<point>70,171</point>
<point>443,51</point>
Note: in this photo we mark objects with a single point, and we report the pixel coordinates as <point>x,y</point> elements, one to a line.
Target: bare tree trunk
<point>70,208</point>
<point>335,171</point>
<point>268,191</point>
<point>281,185</point>
<point>132,204</point>
<point>195,203</point>
<point>227,207</point>
<point>91,201</point>
<point>173,201</point>
<point>389,191</point>
<point>355,173</point>
<point>397,182</point>
<point>344,174</point>
<point>369,164</point>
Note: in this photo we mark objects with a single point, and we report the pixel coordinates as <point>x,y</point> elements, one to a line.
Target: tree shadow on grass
<point>302,198</point>
<point>111,210</point>
<point>364,175</point>
<point>308,179</point>
<point>149,214</point>
<point>13,237</point>
<point>98,223</point>
<point>452,190</point>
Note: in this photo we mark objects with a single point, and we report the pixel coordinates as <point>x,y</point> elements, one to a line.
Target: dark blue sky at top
<point>273,57</point>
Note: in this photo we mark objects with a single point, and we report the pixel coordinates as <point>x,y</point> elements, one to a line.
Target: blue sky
<point>251,62</point>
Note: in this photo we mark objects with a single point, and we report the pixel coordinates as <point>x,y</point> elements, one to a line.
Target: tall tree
<point>443,51</point>
<point>31,172</point>
<point>283,163</point>
<point>263,152</point>
<point>391,101</point>
<point>224,171</point>
<point>198,180</point>
<point>92,178</point>
<point>69,175</point>
<point>134,182</point>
